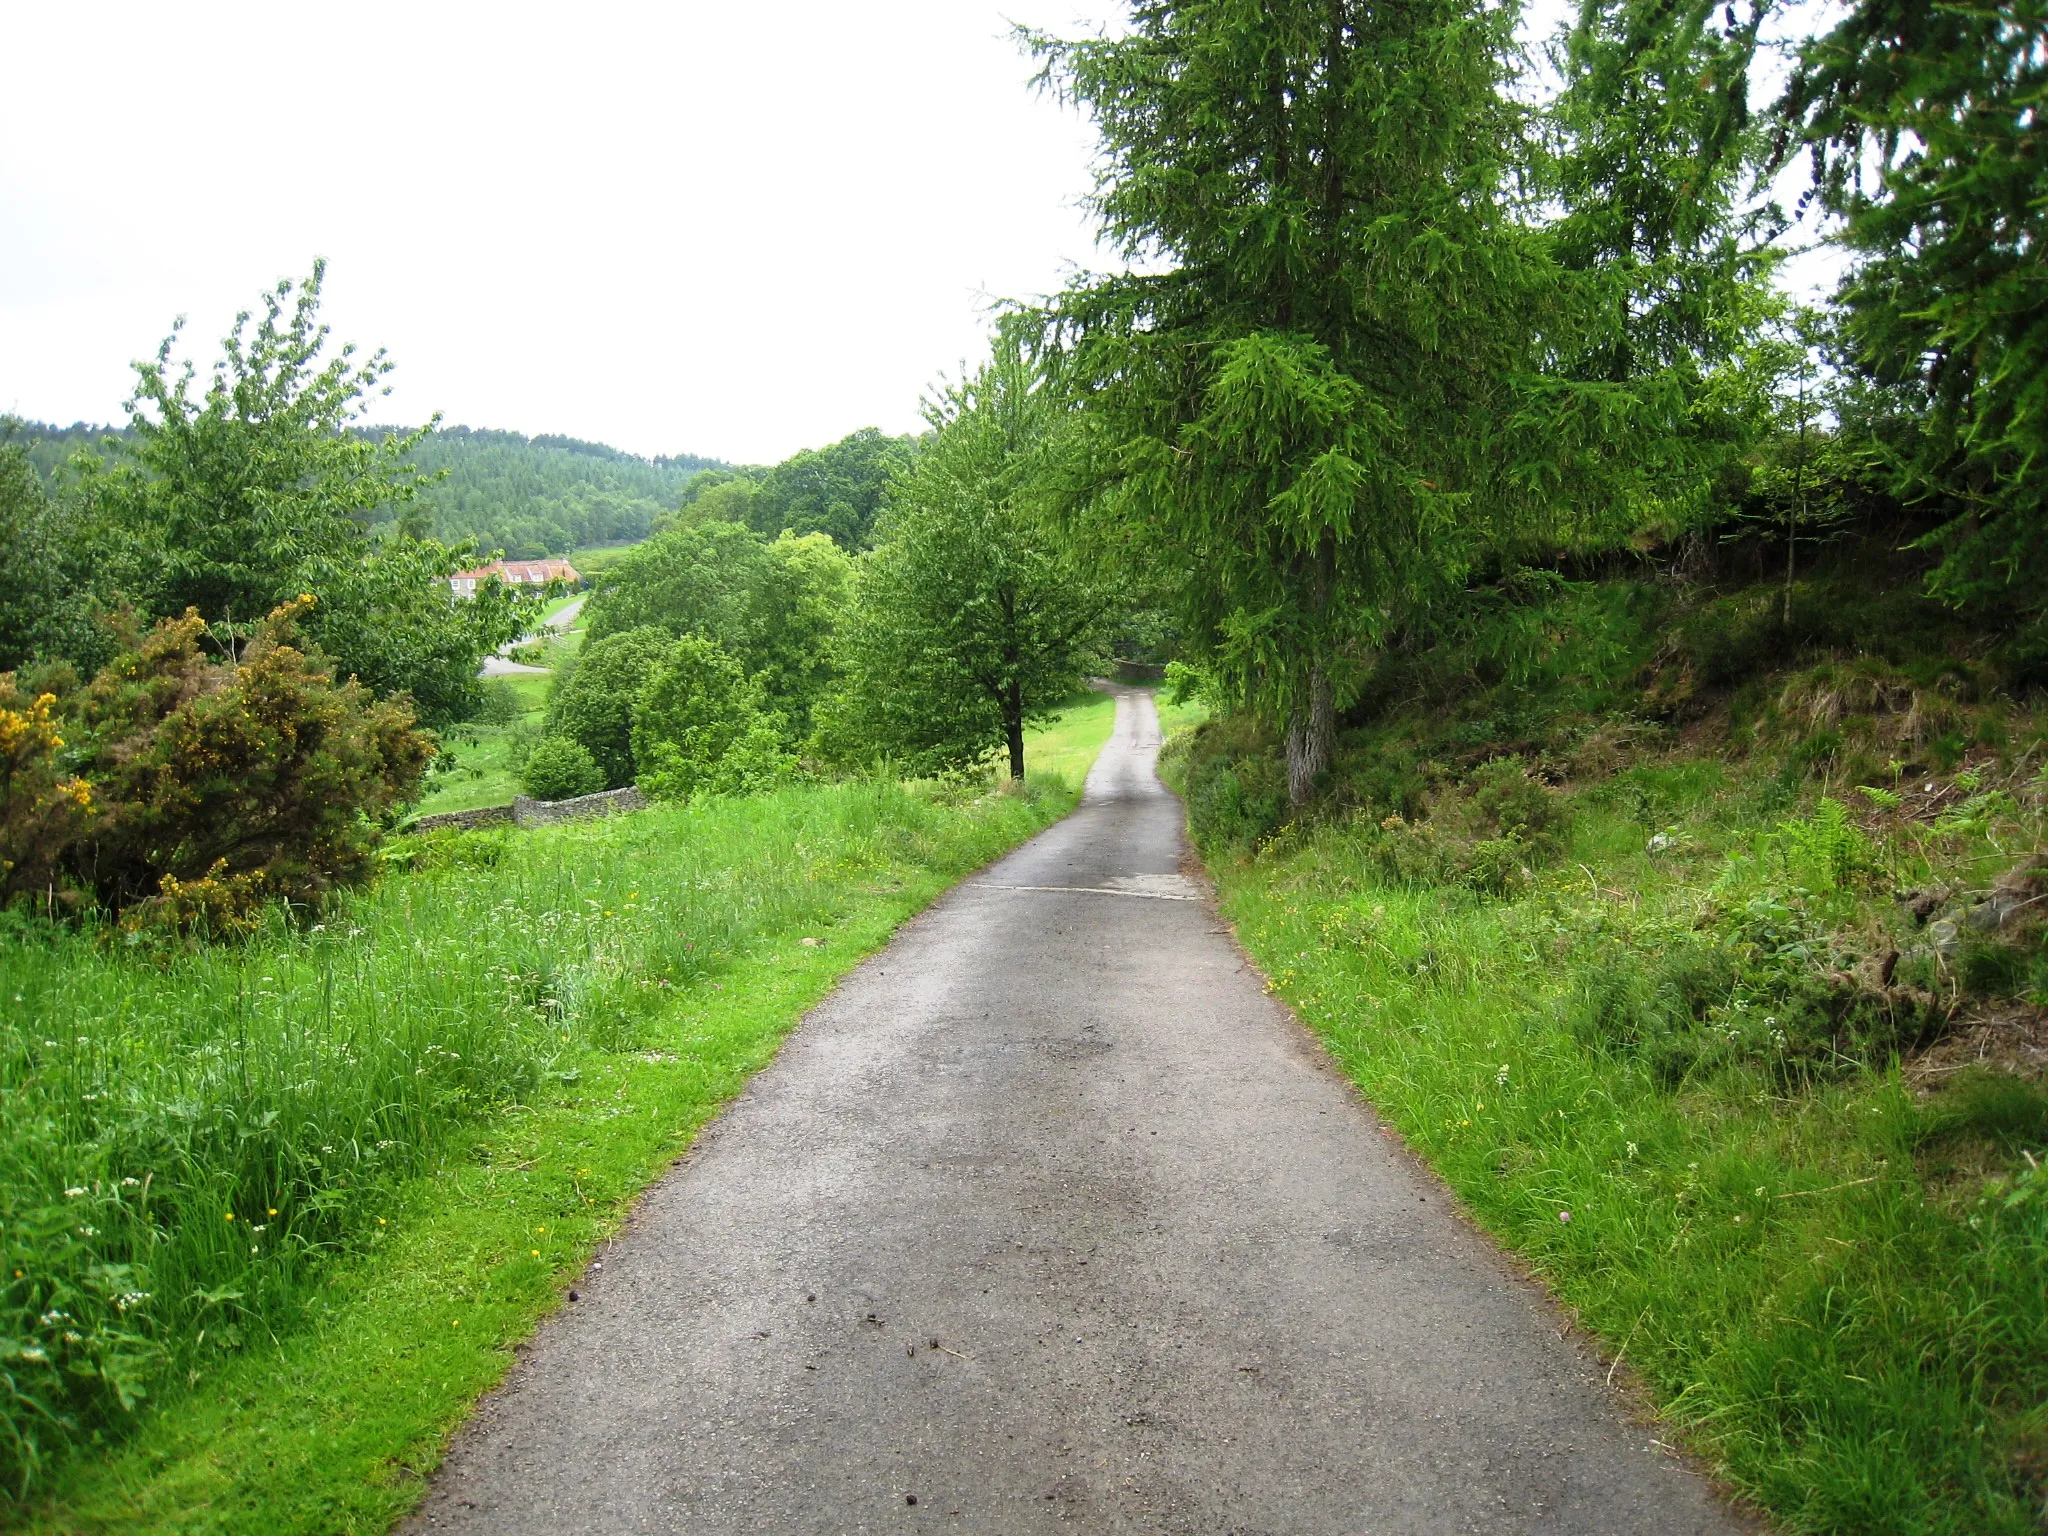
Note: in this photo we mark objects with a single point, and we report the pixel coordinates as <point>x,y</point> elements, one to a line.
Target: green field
<point>369,1155</point>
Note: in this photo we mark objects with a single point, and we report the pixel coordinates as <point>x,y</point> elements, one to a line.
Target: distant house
<point>515,573</point>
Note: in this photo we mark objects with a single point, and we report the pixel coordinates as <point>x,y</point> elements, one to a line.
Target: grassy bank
<point>1740,1054</point>
<point>306,1194</point>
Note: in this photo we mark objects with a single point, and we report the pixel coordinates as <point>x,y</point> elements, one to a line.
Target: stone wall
<point>541,813</point>
<point>526,812</point>
<point>464,821</point>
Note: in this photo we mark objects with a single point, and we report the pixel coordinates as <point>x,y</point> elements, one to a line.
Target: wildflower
<point>260,1228</point>
<point>273,1210</point>
<point>1565,1217</point>
<point>1631,1149</point>
<point>34,1352</point>
<point>380,1221</point>
<point>73,1338</point>
<point>230,1215</point>
<point>73,1192</point>
<point>1500,1078</point>
<point>131,1183</point>
<point>536,1253</point>
<point>1759,1191</point>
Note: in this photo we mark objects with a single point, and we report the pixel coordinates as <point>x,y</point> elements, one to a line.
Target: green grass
<point>1174,718</point>
<point>476,765</point>
<point>1068,745</point>
<point>1682,1084</point>
<point>1859,1344</point>
<point>447,1092</point>
<point>589,562</point>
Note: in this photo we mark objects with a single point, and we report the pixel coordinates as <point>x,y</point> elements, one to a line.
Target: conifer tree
<point>1318,389</point>
<point>1926,131</point>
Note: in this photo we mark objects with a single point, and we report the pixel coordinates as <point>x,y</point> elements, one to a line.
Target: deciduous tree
<point>972,617</point>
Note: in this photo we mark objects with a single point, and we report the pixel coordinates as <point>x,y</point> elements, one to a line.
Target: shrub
<point>500,705</point>
<point>699,728</point>
<point>42,808</point>
<point>1519,808</point>
<point>594,704</point>
<point>1235,785</point>
<point>560,768</point>
<point>203,785</point>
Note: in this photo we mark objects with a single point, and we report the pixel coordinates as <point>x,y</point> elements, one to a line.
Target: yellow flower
<point>536,1253</point>
<point>231,1215</point>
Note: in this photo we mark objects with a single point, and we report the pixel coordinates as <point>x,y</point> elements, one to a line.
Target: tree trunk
<point>1311,737</point>
<point>1013,728</point>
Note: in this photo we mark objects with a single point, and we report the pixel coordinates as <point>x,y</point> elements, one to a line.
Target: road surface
<point>1050,1218</point>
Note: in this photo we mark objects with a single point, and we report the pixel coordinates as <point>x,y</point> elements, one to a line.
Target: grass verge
<point>629,977</point>
<point>1707,961</point>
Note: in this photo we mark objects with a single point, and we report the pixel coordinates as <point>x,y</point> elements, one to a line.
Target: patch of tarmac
<point>1050,1215</point>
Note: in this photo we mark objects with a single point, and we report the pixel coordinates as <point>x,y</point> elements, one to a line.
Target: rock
<point>1922,903</point>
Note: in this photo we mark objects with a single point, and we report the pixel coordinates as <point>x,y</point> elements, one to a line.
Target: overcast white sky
<point>726,229</point>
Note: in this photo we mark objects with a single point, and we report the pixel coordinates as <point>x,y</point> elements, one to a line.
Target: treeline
<point>835,490</point>
<point>721,659</point>
<point>523,496</point>
<point>537,496</point>
<point>1409,318</point>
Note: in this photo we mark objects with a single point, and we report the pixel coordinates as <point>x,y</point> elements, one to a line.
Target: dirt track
<point>1051,1216</point>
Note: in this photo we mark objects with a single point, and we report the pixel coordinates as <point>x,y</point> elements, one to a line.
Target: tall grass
<point>1855,1330</point>
<point>186,1135</point>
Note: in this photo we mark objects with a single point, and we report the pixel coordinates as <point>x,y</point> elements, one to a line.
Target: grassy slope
<point>1834,1283</point>
<point>482,772</point>
<point>333,1428</point>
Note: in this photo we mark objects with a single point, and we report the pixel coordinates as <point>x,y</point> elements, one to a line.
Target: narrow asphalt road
<point>1049,1215</point>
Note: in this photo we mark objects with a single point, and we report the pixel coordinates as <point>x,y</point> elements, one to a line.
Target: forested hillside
<point>527,496</point>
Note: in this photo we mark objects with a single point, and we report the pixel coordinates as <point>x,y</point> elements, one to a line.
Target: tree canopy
<point>972,617</point>
<point>770,603</point>
<point>1927,141</point>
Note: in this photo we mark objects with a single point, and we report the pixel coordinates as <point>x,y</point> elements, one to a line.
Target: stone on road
<point>1049,1214</point>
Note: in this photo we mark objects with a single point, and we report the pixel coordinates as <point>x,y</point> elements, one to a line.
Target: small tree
<point>560,768</point>
<point>593,704</point>
<point>971,618</point>
<point>264,486</point>
<point>698,726</point>
<point>771,604</point>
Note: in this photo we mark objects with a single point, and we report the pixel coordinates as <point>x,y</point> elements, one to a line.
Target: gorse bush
<point>43,808</point>
<point>199,786</point>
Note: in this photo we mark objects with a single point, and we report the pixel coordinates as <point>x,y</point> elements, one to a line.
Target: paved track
<point>1050,1217</point>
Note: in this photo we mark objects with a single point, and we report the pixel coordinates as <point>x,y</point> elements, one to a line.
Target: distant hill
<point>547,495</point>
<point>528,496</point>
